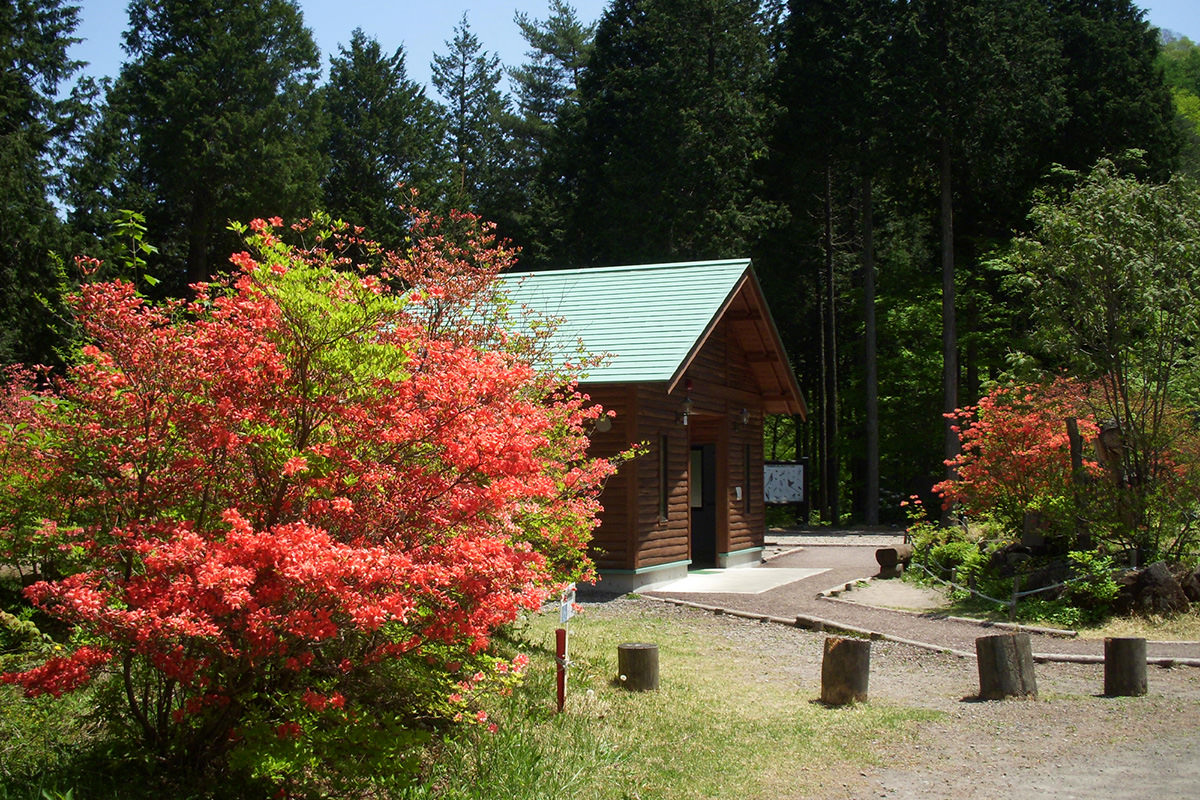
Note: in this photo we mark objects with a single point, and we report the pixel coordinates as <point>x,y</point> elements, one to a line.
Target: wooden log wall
<point>659,539</point>
<point>612,540</point>
<point>722,376</point>
<point>633,533</point>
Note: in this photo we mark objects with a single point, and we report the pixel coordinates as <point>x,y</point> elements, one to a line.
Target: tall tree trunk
<point>871,501</point>
<point>198,230</point>
<point>832,466</point>
<point>973,384</point>
<point>949,331</point>
<point>822,432</point>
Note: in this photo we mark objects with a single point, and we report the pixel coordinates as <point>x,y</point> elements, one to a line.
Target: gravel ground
<point>848,558</point>
<point>1070,743</point>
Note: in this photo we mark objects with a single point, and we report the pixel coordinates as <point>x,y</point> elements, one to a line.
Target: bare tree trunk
<point>199,225</point>
<point>871,500</point>
<point>822,434</point>
<point>949,330</point>
<point>832,466</point>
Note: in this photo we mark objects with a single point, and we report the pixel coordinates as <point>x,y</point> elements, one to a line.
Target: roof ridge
<point>629,267</point>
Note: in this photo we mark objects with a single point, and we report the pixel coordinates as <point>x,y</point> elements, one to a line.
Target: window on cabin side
<point>663,484</point>
<point>746,480</point>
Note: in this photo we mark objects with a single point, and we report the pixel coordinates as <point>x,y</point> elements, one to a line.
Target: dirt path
<point>1070,743</point>
<point>844,563</point>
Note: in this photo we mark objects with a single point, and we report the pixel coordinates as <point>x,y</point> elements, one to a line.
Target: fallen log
<point>893,560</point>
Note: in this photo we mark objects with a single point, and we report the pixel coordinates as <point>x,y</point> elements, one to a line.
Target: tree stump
<point>845,671</point>
<point>1005,666</point>
<point>637,666</point>
<point>1124,667</point>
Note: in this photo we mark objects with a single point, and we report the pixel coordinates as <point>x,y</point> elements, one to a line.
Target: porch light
<point>744,417</point>
<point>687,409</point>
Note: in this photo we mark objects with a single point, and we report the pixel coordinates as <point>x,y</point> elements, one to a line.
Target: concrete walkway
<point>824,562</point>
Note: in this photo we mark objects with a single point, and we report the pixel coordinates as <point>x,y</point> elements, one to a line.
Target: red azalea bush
<point>316,488</point>
<point>1015,455</point>
<point>1016,458</point>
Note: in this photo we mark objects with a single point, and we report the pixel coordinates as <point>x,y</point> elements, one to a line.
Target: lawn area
<point>721,726</point>
<point>724,724</point>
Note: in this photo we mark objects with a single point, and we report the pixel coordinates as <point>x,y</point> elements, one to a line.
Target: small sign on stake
<point>566,608</point>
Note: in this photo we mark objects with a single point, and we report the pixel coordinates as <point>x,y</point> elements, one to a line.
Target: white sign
<point>783,483</point>
<point>566,608</point>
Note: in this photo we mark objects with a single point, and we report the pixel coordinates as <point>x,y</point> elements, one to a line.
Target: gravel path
<point>850,558</point>
<point>1070,743</point>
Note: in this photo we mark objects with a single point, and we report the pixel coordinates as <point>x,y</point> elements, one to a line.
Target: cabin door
<point>702,491</point>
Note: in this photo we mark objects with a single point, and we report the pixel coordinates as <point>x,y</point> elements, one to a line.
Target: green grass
<point>719,726</point>
<point>722,725</point>
<point>45,744</point>
<point>1181,627</point>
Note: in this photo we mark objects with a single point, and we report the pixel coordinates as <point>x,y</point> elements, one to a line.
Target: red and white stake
<point>560,655</point>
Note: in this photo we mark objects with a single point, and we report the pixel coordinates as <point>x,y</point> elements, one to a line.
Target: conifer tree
<point>383,137</point>
<point>35,126</point>
<point>476,116</point>
<point>1114,89</point>
<point>673,123</point>
<point>547,99</point>
<point>213,118</point>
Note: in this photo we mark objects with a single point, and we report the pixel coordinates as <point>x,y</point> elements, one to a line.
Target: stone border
<point>820,624</point>
<point>1062,633</point>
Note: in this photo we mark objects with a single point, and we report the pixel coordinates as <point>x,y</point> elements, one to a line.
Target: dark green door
<point>702,483</point>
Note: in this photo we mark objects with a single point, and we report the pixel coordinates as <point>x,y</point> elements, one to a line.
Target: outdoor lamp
<point>687,409</point>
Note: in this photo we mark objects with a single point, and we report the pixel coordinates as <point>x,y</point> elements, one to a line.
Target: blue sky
<point>1180,16</point>
<point>423,26</point>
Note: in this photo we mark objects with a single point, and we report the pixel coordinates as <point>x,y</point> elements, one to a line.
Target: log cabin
<point>693,363</point>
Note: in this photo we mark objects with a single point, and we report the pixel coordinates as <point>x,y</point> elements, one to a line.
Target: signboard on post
<point>566,608</point>
<point>783,482</point>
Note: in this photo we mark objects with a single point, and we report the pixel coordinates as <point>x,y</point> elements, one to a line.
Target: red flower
<point>298,473</point>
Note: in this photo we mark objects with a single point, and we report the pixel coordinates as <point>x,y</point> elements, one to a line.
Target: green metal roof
<point>647,317</point>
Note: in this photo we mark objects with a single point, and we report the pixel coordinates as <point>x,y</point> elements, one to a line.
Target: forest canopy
<point>873,156</point>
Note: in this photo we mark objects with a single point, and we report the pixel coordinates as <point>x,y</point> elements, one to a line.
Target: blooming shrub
<point>310,493</point>
<point>1015,456</point>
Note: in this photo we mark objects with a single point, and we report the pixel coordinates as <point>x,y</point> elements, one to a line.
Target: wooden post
<point>1124,667</point>
<point>1012,605</point>
<point>845,671</point>
<point>1005,666</point>
<point>560,655</point>
<point>637,665</point>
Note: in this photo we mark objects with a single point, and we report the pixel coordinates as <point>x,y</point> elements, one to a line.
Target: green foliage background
<point>664,130</point>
